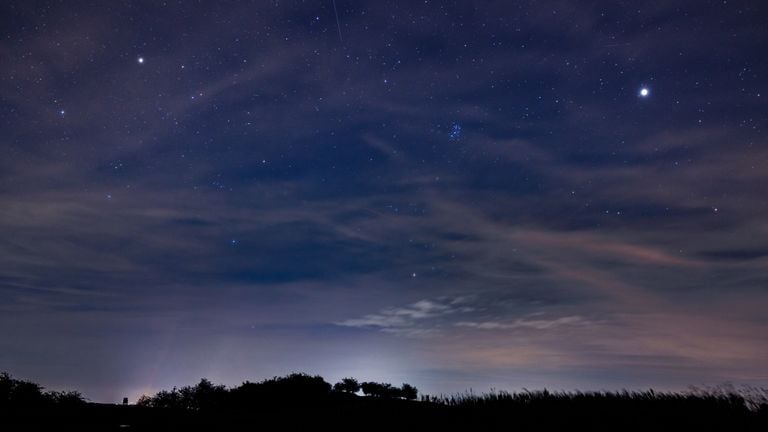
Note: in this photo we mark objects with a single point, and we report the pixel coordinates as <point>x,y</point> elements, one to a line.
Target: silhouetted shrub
<point>144,401</point>
<point>293,386</point>
<point>386,390</point>
<point>376,389</point>
<point>66,398</point>
<point>408,392</point>
<point>166,399</point>
<point>20,393</point>
<point>204,395</point>
<point>347,385</point>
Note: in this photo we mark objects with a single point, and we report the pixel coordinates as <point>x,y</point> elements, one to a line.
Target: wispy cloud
<point>538,324</point>
<point>409,320</point>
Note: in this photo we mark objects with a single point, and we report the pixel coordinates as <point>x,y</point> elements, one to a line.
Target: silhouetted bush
<point>386,390</point>
<point>164,399</point>
<point>203,395</point>
<point>20,393</point>
<point>408,392</point>
<point>293,386</point>
<point>347,385</point>
<point>376,389</point>
<point>66,398</point>
<point>145,401</point>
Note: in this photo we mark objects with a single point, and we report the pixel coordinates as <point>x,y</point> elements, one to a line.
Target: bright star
<point>644,92</point>
<point>140,60</point>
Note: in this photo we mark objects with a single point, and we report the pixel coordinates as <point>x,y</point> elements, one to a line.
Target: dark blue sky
<point>450,194</point>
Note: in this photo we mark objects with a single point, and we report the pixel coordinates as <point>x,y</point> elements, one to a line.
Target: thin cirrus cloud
<point>410,320</point>
<point>538,324</point>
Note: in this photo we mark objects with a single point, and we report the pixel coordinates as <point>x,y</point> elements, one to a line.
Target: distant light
<point>644,92</point>
<point>140,60</point>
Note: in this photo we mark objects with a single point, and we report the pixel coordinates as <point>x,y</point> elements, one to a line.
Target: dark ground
<point>303,402</point>
<point>349,412</point>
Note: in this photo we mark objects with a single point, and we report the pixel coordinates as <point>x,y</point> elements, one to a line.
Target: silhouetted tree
<point>203,395</point>
<point>6,387</point>
<point>293,386</point>
<point>408,392</point>
<point>394,392</point>
<point>166,399</point>
<point>370,388</point>
<point>348,385</point>
<point>66,398</point>
<point>377,389</point>
<point>386,390</point>
<point>25,393</point>
<point>19,392</point>
<point>144,401</point>
<point>208,395</point>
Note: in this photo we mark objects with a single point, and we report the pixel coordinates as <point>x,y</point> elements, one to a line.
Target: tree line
<point>21,393</point>
<point>383,390</point>
<point>206,395</point>
<point>302,402</point>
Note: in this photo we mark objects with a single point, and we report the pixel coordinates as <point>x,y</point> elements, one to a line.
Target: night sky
<point>456,195</point>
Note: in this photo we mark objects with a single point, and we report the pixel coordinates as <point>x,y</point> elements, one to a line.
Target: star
<point>645,92</point>
<point>140,60</point>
